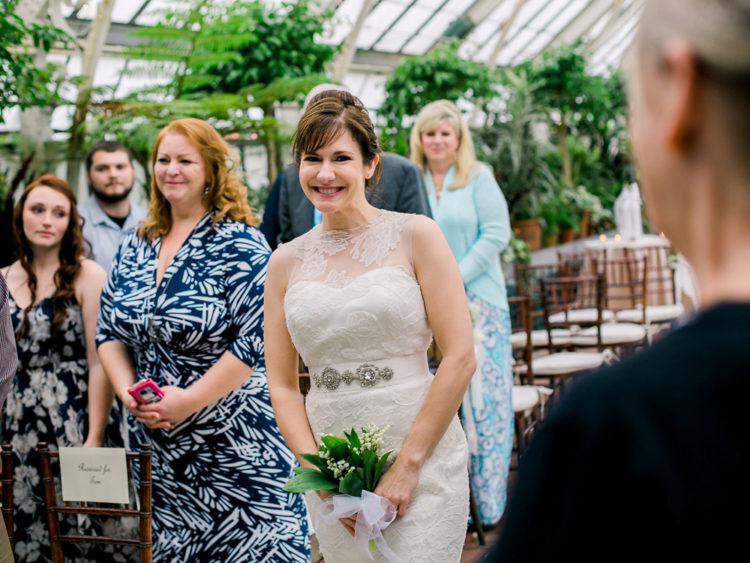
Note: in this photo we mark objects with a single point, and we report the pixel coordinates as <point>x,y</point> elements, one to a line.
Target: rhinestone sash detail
<point>366,374</point>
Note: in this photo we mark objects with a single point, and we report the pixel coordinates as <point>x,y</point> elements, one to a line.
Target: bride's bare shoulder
<point>424,228</point>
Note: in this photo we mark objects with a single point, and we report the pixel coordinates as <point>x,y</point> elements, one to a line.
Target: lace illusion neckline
<point>346,233</point>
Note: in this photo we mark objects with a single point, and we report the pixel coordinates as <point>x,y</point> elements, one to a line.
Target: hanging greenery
<point>223,60</point>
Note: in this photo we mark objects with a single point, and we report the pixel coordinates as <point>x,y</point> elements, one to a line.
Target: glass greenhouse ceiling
<point>497,32</point>
<point>506,31</point>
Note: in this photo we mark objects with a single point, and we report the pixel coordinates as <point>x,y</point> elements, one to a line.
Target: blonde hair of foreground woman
<point>432,115</point>
<point>718,34</point>
<point>690,87</point>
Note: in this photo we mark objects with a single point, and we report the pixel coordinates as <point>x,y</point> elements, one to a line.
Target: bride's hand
<point>349,522</point>
<point>398,484</point>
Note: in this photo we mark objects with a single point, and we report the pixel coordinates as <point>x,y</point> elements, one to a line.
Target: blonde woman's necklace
<point>438,189</point>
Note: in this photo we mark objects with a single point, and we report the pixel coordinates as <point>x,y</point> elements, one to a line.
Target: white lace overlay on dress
<point>355,313</point>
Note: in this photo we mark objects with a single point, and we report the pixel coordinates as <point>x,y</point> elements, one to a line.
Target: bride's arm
<point>448,317</point>
<point>282,364</point>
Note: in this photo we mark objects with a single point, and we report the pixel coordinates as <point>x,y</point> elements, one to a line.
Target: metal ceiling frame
<point>525,46</point>
<point>421,27</point>
<point>371,60</point>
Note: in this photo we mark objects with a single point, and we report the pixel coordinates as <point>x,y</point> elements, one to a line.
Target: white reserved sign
<point>94,475</point>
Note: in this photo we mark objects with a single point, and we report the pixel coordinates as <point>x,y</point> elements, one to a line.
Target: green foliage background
<point>417,81</point>
<point>554,134</point>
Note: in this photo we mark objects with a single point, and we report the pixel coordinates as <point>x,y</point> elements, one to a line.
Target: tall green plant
<point>586,115</point>
<point>282,45</point>
<point>564,90</point>
<point>251,53</point>
<point>508,143</point>
<point>180,42</point>
<point>417,81</point>
<point>279,42</point>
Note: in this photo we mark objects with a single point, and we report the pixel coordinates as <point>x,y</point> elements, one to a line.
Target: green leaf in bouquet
<point>354,439</point>
<point>337,447</point>
<point>379,469</point>
<point>351,485</point>
<point>370,460</point>
<point>318,462</point>
<point>355,459</point>
<point>309,479</point>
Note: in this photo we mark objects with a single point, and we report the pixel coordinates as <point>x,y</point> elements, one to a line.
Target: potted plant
<point>550,211</point>
<point>579,207</point>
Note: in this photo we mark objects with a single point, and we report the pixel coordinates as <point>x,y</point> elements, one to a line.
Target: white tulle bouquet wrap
<point>350,468</point>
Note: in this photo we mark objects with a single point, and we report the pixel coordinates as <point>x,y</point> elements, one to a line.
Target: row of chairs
<point>574,315</point>
<point>49,474</point>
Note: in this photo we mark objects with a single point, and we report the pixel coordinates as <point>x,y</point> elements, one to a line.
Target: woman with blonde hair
<point>647,459</point>
<point>469,207</point>
<point>183,306</point>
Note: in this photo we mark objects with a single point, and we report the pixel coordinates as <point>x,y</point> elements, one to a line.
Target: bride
<point>359,297</point>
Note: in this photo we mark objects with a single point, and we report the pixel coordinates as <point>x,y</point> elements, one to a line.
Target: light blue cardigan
<point>476,224</point>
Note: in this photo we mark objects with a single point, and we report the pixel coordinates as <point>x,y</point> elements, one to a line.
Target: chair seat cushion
<point>612,334</point>
<point>565,363</point>
<point>654,314</point>
<point>540,339</point>
<point>581,316</point>
<point>525,397</point>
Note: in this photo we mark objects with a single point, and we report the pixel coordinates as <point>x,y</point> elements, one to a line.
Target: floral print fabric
<point>491,413</point>
<point>48,403</point>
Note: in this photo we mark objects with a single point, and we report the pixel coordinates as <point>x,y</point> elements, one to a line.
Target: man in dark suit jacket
<point>401,188</point>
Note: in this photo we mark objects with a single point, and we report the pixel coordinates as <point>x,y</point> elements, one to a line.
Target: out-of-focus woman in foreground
<point>647,459</point>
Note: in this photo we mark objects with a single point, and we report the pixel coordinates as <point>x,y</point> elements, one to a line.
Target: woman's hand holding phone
<point>175,405</point>
<point>146,391</point>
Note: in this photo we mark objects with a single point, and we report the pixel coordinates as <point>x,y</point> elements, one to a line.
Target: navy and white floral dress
<point>218,475</point>
<point>48,402</point>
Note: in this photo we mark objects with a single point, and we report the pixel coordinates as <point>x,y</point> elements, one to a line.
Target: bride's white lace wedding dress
<point>355,313</point>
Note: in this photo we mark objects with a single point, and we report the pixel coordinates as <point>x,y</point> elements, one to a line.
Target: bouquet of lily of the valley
<point>347,466</point>
<point>350,468</point>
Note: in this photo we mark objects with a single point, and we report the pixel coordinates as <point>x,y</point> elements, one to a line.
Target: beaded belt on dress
<point>366,374</point>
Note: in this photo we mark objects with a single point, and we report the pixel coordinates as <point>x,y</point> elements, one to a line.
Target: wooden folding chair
<point>624,290</point>
<point>579,263</point>
<point>527,285</point>
<point>54,509</point>
<point>520,336</point>
<point>528,398</point>
<point>7,490</point>
<point>560,297</point>
<point>661,306</point>
<point>624,284</point>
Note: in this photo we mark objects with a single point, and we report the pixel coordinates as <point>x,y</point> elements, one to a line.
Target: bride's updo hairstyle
<point>327,116</point>
<point>718,33</point>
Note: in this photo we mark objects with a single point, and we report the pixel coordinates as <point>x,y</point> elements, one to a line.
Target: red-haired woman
<point>60,393</point>
<point>183,305</point>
